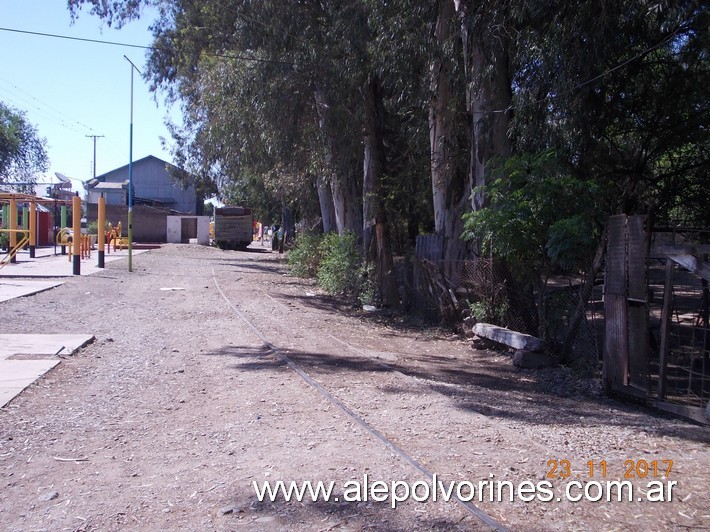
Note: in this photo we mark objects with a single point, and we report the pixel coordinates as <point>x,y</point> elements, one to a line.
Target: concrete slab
<point>16,375</point>
<point>510,338</point>
<point>41,344</point>
<point>10,289</point>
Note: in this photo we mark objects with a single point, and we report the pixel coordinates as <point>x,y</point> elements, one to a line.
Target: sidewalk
<point>26,357</point>
<point>48,265</point>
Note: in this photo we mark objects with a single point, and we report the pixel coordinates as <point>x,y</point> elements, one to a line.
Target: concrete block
<point>510,338</point>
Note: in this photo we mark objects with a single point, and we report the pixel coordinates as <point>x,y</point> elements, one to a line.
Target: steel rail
<point>466,505</point>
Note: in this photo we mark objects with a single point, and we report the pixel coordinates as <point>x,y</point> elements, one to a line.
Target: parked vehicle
<point>233,227</point>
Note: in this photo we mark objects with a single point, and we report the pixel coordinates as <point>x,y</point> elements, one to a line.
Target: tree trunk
<point>343,183</point>
<point>374,211</point>
<point>327,209</point>
<point>451,187</point>
<point>489,96</point>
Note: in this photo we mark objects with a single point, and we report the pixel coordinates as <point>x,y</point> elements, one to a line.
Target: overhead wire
<point>591,80</point>
<point>49,113</point>
<point>241,57</point>
<point>140,46</point>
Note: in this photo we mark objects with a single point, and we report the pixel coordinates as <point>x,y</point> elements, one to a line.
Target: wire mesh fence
<point>685,365</point>
<point>484,289</point>
<point>670,366</point>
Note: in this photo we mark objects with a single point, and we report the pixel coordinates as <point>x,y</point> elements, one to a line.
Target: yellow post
<point>12,226</point>
<point>33,229</point>
<point>102,236</point>
<point>76,229</point>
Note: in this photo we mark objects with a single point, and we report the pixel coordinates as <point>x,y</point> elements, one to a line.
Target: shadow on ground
<point>488,388</point>
<point>338,515</point>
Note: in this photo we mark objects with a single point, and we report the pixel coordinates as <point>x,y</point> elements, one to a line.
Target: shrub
<point>339,264</point>
<point>305,257</point>
<point>93,227</point>
<point>367,284</point>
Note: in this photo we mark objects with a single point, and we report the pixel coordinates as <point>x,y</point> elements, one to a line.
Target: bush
<point>339,264</point>
<point>335,262</point>
<point>93,227</point>
<point>367,284</point>
<point>305,257</point>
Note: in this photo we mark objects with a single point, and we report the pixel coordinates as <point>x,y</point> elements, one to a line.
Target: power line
<point>140,46</point>
<point>603,74</point>
<point>69,38</point>
<point>50,112</point>
<point>25,105</point>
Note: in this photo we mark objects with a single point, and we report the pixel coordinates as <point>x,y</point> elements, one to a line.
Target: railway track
<point>469,507</point>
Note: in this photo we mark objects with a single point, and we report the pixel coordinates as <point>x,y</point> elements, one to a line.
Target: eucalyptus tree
<point>615,94</point>
<point>619,91</point>
<point>254,85</point>
<point>256,77</point>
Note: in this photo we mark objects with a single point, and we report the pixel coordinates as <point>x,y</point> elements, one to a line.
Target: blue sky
<point>70,89</point>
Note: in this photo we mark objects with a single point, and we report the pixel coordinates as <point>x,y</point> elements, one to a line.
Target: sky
<point>70,89</point>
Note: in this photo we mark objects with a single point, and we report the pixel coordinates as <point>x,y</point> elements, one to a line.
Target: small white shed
<point>182,229</point>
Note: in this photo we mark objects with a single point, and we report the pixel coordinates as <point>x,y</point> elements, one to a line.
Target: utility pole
<point>130,174</point>
<point>94,137</point>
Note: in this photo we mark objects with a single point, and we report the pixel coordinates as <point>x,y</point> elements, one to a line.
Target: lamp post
<point>130,175</point>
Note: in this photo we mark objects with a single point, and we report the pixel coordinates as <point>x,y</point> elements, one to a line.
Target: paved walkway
<point>48,265</point>
<point>26,357</point>
<point>12,288</point>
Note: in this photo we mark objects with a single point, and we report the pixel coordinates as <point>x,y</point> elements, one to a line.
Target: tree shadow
<point>255,268</point>
<point>337,513</point>
<point>488,388</point>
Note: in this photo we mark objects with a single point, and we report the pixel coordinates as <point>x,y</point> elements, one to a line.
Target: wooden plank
<point>430,247</point>
<point>692,264</point>
<point>636,256</point>
<point>665,329</point>
<point>637,314</point>
<point>510,338</point>
<point>639,369</point>
<point>615,369</point>
<point>615,282</point>
<point>663,250</point>
<point>695,413</point>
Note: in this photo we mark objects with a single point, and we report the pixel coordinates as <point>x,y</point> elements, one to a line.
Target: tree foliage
<point>554,115</point>
<point>22,152</point>
<point>617,89</point>
<point>539,219</point>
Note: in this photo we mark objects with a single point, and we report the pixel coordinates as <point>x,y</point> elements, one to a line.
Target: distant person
<point>275,237</point>
<point>281,238</point>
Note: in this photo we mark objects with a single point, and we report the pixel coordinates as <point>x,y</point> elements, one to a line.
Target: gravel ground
<point>167,419</point>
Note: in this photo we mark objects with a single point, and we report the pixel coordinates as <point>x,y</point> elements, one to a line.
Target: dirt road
<point>213,370</point>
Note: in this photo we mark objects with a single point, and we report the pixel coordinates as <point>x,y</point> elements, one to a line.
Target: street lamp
<point>130,175</point>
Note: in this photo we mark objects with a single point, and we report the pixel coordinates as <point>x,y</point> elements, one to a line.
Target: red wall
<point>44,229</point>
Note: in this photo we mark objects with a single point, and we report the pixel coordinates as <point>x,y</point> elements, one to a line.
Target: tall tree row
<point>393,119</point>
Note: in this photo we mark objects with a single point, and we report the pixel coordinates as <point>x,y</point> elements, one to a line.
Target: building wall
<point>151,180</point>
<point>112,197</point>
<point>149,223</point>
